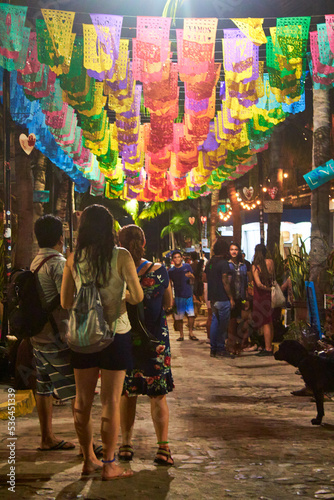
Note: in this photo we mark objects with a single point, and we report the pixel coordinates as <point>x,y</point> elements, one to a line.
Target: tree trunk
<point>275,176</point>
<point>39,171</point>
<point>232,194</point>
<point>214,215</point>
<point>61,205</point>
<point>24,207</point>
<point>320,219</point>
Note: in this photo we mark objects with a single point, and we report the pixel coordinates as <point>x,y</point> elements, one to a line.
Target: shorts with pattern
<point>184,306</point>
<point>54,370</point>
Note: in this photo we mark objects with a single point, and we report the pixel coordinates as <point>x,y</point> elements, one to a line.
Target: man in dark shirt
<point>180,275</point>
<point>220,296</point>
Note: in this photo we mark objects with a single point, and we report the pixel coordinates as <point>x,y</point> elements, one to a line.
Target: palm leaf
<point>171,7</point>
<point>154,209</point>
<point>180,224</point>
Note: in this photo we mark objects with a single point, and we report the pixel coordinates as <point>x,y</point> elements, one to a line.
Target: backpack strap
<point>55,302</point>
<point>141,266</point>
<point>147,271</point>
<point>45,260</point>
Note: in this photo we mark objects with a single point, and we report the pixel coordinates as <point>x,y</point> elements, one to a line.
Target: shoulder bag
<point>277,296</point>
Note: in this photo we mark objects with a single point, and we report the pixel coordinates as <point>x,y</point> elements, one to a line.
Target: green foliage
<point>330,269</point>
<point>117,226</point>
<point>155,208</point>
<point>299,270</point>
<point>171,7</point>
<point>279,264</point>
<point>295,330</point>
<point>180,224</point>
<point>132,208</point>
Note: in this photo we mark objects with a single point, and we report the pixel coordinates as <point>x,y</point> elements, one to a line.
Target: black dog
<point>317,371</point>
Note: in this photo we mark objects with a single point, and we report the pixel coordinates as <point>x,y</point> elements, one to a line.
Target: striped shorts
<point>54,370</point>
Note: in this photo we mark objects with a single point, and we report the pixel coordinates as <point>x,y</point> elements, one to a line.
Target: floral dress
<point>153,376</point>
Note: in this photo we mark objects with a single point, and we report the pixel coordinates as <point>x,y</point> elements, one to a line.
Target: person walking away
<point>198,286</point>
<point>96,258</point>
<point>50,350</point>
<point>151,376</point>
<point>180,275</point>
<point>263,274</point>
<point>220,296</point>
<point>238,282</point>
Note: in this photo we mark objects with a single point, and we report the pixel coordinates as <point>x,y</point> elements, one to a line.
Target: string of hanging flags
<point>84,96</point>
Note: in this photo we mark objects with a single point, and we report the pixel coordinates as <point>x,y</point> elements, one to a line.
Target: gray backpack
<point>87,325</point>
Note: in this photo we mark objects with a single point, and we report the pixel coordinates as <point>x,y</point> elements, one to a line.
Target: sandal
<point>126,448</point>
<point>98,450</point>
<point>164,461</point>
<point>180,339</point>
<point>193,337</point>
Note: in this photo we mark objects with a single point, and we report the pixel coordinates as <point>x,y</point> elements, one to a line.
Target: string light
<point>285,175</point>
<point>248,205</point>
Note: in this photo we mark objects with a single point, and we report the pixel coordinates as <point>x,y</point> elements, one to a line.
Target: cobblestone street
<point>235,432</point>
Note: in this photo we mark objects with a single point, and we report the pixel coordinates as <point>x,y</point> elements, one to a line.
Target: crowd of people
<point>237,295</point>
<point>123,277</point>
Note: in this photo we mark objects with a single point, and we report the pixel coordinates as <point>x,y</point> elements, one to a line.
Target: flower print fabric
<point>153,377</point>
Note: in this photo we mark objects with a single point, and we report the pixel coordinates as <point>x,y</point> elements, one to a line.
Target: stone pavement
<point>235,432</point>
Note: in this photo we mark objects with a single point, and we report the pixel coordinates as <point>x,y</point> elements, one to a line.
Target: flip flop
<point>62,445</point>
<point>90,472</point>
<point>193,337</point>
<point>180,339</point>
<point>98,450</point>
<point>124,474</point>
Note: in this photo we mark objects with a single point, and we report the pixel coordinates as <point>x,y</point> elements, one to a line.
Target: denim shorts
<point>116,356</point>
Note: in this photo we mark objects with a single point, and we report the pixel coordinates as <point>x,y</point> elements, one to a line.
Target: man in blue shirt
<point>180,275</point>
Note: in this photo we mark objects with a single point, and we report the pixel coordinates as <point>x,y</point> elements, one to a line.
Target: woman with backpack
<point>98,262</point>
<point>152,374</point>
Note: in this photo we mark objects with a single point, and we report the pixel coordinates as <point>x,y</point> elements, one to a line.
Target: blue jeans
<point>221,312</point>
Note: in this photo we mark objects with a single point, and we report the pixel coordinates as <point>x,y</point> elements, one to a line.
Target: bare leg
<point>268,334</point>
<point>232,334</point>
<point>111,389</point>
<point>85,381</point>
<point>191,321</point>
<point>160,418</point>
<point>208,322</point>
<point>128,415</point>
<point>179,326</point>
<point>44,410</point>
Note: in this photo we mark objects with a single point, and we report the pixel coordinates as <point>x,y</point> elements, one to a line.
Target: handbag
<point>143,341</point>
<point>277,296</point>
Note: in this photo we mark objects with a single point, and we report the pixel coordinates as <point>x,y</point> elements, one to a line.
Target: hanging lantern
<point>191,220</point>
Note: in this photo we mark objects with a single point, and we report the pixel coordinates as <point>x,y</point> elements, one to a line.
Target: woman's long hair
<point>259,261</point>
<point>132,238</point>
<point>96,242</point>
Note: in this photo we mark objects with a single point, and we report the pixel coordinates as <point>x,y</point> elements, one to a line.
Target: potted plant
<point>299,270</point>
